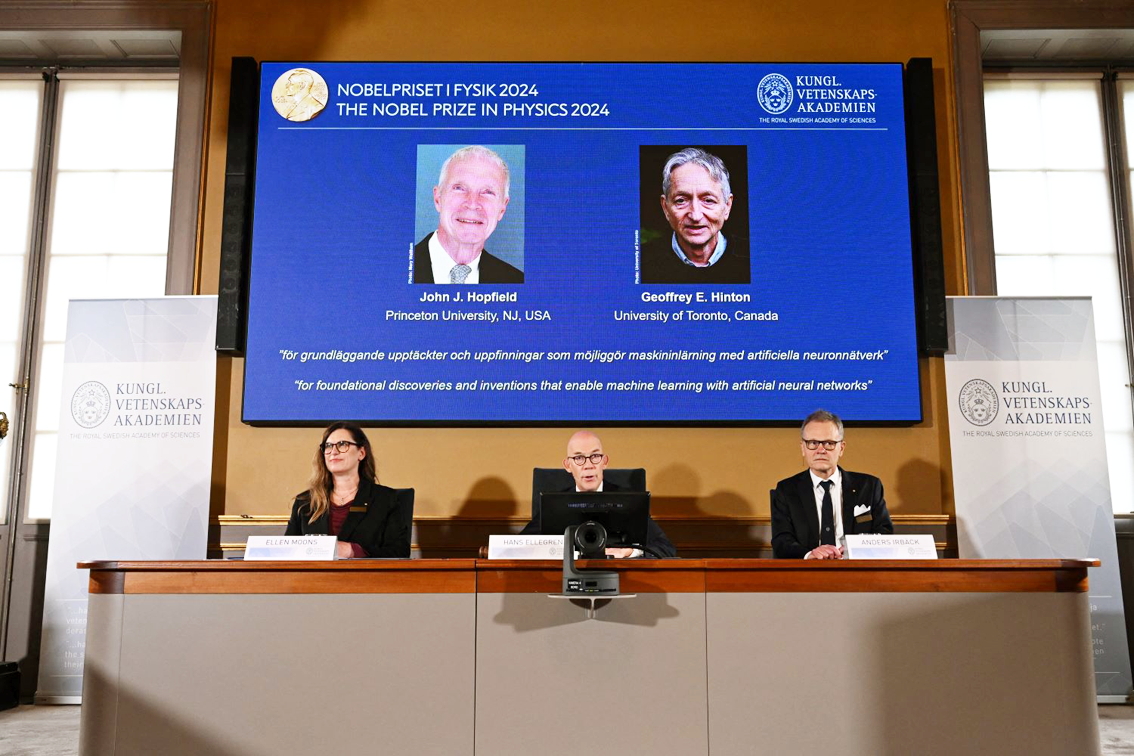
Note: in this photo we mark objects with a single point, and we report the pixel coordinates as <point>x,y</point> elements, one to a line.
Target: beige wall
<point>487,472</point>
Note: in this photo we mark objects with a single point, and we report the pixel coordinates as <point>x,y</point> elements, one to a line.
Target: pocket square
<point>861,509</point>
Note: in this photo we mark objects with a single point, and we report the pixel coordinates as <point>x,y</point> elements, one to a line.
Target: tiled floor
<point>54,731</point>
<point>40,731</point>
<point>1116,730</point>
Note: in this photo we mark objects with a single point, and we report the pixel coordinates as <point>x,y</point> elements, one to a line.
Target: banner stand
<point>134,457</point>
<point>1030,472</point>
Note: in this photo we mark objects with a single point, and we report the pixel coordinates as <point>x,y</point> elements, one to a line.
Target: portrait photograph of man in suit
<point>474,194</point>
<point>694,217</point>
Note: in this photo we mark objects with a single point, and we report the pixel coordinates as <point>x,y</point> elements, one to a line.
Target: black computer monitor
<point>624,514</point>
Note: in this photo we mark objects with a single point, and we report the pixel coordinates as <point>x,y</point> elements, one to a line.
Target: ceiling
<point>1058,46</point>
<point>86,48</point>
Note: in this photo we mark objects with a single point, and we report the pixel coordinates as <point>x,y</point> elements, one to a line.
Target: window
<point>107,211</point>
<point>1054,234</point>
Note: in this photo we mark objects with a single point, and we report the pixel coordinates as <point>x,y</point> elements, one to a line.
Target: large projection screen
<point>583,309</point>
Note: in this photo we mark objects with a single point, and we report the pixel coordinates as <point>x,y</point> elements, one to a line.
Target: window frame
<point>193,19</point>
<point>969,19</point>
<point>43,253</point>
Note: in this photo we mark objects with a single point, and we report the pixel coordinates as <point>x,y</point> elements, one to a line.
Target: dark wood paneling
<point>696,538</point>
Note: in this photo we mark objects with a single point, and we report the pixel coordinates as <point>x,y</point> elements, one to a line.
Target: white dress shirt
<point>836,501</point>
<point>441,263</point>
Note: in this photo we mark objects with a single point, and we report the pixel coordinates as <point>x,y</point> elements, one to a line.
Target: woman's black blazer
<point>374,522</point>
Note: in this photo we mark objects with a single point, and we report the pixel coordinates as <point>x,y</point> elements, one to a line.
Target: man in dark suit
<point>811,511</point>
<point>696,199</point>
<point>471,197</point>
<point>585,461</point>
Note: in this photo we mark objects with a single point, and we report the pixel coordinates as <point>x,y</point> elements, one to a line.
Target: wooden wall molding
<point>696,537</point>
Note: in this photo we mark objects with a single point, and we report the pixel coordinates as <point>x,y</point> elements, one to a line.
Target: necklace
<point>344,498</point>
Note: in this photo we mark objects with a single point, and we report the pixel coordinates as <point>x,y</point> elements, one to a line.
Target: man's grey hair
<point>711,163</point>
<point>476,151</point>
<point>823,416</point>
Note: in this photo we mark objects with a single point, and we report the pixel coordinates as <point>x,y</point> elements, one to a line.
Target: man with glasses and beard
<point>585,461</point>
<point>812,511</point>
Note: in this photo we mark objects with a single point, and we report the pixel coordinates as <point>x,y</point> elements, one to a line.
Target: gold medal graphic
<point>299,94</point>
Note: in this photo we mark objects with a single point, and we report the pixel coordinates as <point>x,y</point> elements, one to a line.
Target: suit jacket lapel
<point>353,518</point>
<point>320,526</point>
<point>850,498</point>
<point>811,516</point>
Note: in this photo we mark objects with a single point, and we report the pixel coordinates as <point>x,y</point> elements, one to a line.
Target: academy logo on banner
<point>978,402</point>
<point>90,405</point>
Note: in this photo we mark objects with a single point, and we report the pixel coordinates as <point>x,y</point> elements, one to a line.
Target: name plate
<point>525,547</point>
<point>889,547</point>
<point>291,548</point>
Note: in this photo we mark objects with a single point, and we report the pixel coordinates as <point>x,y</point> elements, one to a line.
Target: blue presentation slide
<point>561,243</point>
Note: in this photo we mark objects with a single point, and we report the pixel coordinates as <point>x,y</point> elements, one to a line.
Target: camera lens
<point>590,539</point>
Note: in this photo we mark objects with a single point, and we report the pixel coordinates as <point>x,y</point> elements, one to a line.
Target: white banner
<point>134,457</point>
<point>1029,455</point>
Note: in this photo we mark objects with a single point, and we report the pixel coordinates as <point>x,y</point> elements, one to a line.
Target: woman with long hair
<point>344,499</point>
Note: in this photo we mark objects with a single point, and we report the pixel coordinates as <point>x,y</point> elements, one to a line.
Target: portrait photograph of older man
<point>467,195</point>
<point>694,224</point>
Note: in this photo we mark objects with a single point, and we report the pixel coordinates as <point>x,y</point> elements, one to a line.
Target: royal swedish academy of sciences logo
<point>979,402</point>
<point>90,404</point>
<point>774,93</point>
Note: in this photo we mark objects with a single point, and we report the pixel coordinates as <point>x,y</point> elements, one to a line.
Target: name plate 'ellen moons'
<point>889,547</point>
<point>525,547</point>
<point>290,548</point>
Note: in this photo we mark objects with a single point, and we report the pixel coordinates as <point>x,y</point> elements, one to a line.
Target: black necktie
<point>827,526</point>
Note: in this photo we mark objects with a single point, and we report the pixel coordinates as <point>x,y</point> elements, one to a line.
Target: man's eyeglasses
<point>813,444</point>
<point>339,446</point>
<point>594,459</point>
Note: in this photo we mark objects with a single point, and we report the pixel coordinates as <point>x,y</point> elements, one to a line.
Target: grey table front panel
<point>631,680</point>
<point>503,674</point>
<point>265,675</point>
<point>885,674</point>
<point>102,659</point>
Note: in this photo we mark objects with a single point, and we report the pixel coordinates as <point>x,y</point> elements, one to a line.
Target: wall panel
<point>487,472</point>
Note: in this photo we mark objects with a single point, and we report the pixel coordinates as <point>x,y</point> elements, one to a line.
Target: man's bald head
<point>585,460</point>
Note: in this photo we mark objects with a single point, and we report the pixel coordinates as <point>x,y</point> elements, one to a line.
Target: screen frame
<point>915,303</point>
<point>626,513</point>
